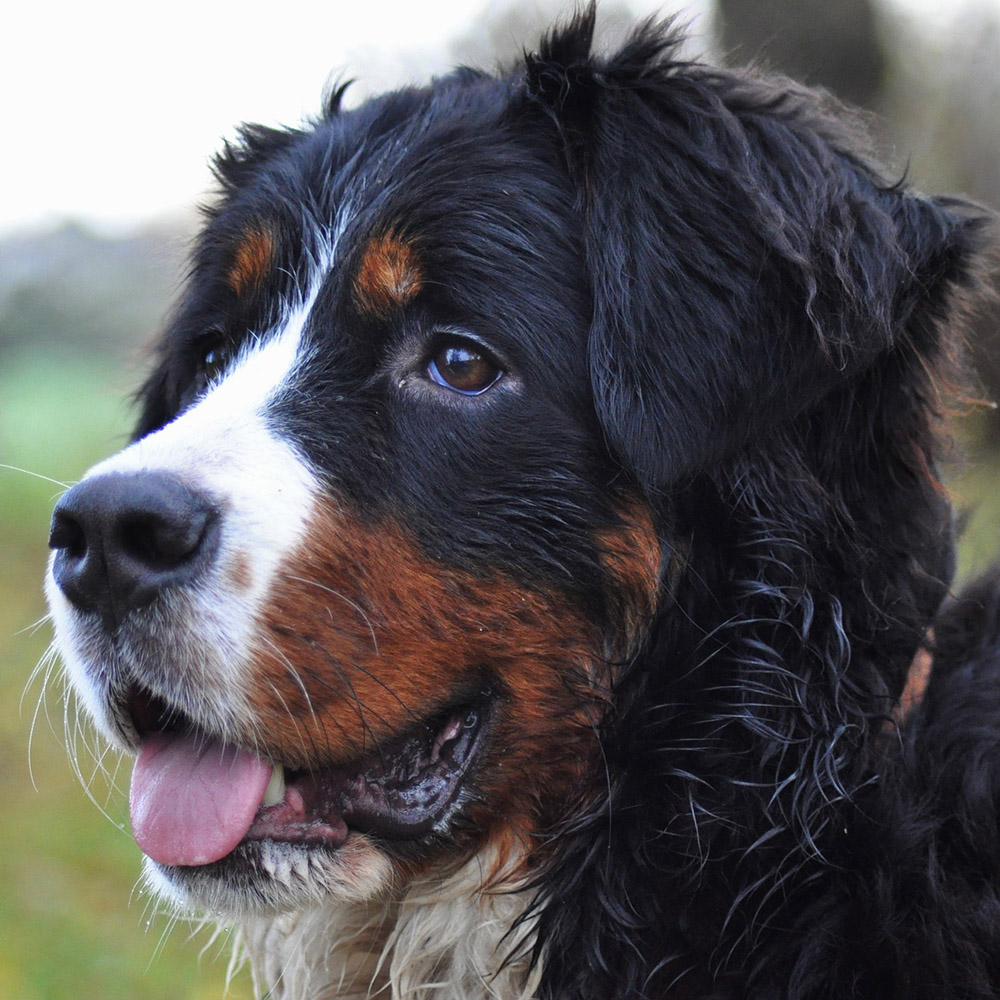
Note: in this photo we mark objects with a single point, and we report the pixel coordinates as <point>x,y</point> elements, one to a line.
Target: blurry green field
<point>975,489</point>
<point>71,924</point>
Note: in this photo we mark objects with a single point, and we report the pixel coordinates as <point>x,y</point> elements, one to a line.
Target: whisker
<point>290,668</point>
<point>35,626</point>
<point>75,736</point>
<point>45,663</point>
<point>360,668</point>
<point>293,672</point>
<point>36,475</point>
<point>362,710</point>
<point>172,920</point>
<point>346,600</point>
<point>45,666</point>
<point>295,723</point>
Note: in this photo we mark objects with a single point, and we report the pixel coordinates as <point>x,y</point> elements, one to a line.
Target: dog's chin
<point>269,877</point>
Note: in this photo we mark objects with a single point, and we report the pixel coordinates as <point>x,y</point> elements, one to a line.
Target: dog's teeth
<point>275,791</point>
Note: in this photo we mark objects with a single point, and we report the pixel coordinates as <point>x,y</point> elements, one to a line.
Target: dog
<point>531,577</point>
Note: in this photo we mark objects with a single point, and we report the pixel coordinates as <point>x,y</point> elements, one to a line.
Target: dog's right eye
<point>213,356</point>
<point>210,356</point>
<point>213,361</point>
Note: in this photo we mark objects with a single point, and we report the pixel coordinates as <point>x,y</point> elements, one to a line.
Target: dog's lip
<point>402,789</point>
<point>399,792</point>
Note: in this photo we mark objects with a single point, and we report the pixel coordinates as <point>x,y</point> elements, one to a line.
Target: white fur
<point>294,878</point>
<point>225,447</point>
<point>443,939</point>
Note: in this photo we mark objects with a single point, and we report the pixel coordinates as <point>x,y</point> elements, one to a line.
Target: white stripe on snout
<point>225,447</point>
<point>264,489</point>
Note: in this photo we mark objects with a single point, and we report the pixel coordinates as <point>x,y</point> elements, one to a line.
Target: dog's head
<point>485,399</point>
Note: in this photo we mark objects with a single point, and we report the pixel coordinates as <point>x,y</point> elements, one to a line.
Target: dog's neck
<point>446,939</point>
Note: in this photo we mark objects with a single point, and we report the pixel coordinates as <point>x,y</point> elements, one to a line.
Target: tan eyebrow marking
<point>252,260</point>
<point>389,276</point>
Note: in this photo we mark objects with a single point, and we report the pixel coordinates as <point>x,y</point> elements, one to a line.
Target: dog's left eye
<point>463,367</point>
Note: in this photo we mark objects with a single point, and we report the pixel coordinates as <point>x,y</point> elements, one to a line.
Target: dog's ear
<point>744,259</point>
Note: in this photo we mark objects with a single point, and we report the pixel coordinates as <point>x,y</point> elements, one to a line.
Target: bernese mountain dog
<point>527,576</point>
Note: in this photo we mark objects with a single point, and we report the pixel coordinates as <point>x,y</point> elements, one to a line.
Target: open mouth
<point>195,799</point>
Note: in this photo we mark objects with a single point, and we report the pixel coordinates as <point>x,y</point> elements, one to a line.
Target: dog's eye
<point>464,368</point>
<point>213,360</point>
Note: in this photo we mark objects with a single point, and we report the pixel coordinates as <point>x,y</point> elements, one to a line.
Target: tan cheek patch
<point>389,275</point>
<point>252,261</point>
<point>364,637</point>
<point>630,553</point>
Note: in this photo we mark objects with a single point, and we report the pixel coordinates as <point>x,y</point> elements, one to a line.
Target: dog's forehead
<point>363,215</point>
<point>417,157</point>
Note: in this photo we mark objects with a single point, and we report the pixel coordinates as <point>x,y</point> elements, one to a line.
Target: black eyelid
<point>213,335</point>
<point>442,336</point>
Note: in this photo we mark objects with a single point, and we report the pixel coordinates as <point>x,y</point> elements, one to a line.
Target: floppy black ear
<point>744,260</point>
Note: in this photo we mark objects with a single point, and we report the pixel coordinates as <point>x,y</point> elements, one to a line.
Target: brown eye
<point>463,368</point>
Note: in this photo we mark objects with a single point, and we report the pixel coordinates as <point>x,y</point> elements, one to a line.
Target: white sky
<point>112,108</point>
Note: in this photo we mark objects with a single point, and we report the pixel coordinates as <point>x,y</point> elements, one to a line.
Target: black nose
<point>122,538</point>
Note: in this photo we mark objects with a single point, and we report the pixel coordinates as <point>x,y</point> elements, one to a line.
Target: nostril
<point>67,535</point>
<point>161,541</point>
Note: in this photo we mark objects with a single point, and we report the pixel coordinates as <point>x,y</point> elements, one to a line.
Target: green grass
<point>975,490</point>
<point>71,922</point>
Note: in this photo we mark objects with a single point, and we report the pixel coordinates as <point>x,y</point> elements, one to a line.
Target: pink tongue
<point>193,801</point>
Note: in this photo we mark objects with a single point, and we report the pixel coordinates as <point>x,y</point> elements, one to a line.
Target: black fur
<point>771,319</point>
<point>722,308</point>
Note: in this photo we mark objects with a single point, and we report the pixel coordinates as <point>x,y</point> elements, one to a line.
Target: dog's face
<point>368,533</point>
<point>476,392</point>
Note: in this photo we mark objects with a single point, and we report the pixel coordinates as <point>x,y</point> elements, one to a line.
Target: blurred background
<point>111,111</point>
